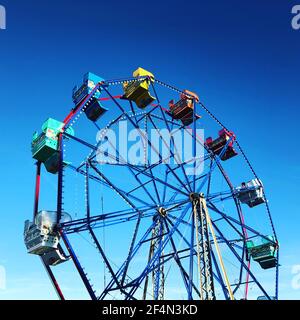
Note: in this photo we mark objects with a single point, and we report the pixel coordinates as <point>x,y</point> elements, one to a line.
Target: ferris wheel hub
<point>196,196</point>
<point>162,212</point>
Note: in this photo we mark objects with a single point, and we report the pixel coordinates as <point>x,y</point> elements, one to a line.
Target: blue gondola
<point>94,109</point>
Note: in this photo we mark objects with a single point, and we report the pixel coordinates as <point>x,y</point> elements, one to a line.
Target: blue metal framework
<point>160,194</point>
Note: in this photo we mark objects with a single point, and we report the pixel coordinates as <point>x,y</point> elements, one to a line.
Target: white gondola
<point>55,257</point>
<point>251,193</point>
<point>41,237</point>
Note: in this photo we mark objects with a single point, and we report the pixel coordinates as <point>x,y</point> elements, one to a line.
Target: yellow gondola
<point>138,90</point>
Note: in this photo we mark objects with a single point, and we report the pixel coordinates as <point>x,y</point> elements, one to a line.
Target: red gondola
<point>183,109</point>
<point>217,145</point>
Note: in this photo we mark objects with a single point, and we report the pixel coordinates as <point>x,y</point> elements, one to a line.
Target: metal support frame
<point>158,274</point>
<point>205,272</point>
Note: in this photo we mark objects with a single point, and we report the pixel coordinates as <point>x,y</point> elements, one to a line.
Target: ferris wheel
<point>155,198</point>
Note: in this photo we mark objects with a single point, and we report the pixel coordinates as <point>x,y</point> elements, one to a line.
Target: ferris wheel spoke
<point>173,144</point>
<point>197,179</point>
<point>155,116</point>
<point>100,221</point>
<point>159,250</point>
<point>224,218</point>
<point>230,246</point>
<point>115,217</point>
<point>78,266</point>
<point>183,272</point>
<point>244,234</point>
<point>170,186</point>
<point>120,271</point>
<point>144,172</point>
<point>227,217</point>
<point>132,110</point>
<point>149,174</point>
<point>111,123</point>
<point>130,168</point>
<point>134,237</point>
<point>155,187</point>
<point>101,181</point>
<point>237,204</point>
<point>219,196</point>
<point>159,262</point>
<point>108,265</point>
<point>121,193</point>
<point>146,139</point>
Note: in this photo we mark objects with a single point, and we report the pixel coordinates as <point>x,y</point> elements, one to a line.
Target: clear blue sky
<point>241,57</point>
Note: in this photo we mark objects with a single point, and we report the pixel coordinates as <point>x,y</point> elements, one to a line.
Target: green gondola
<point>45,146</point>
<point>264,252</point>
